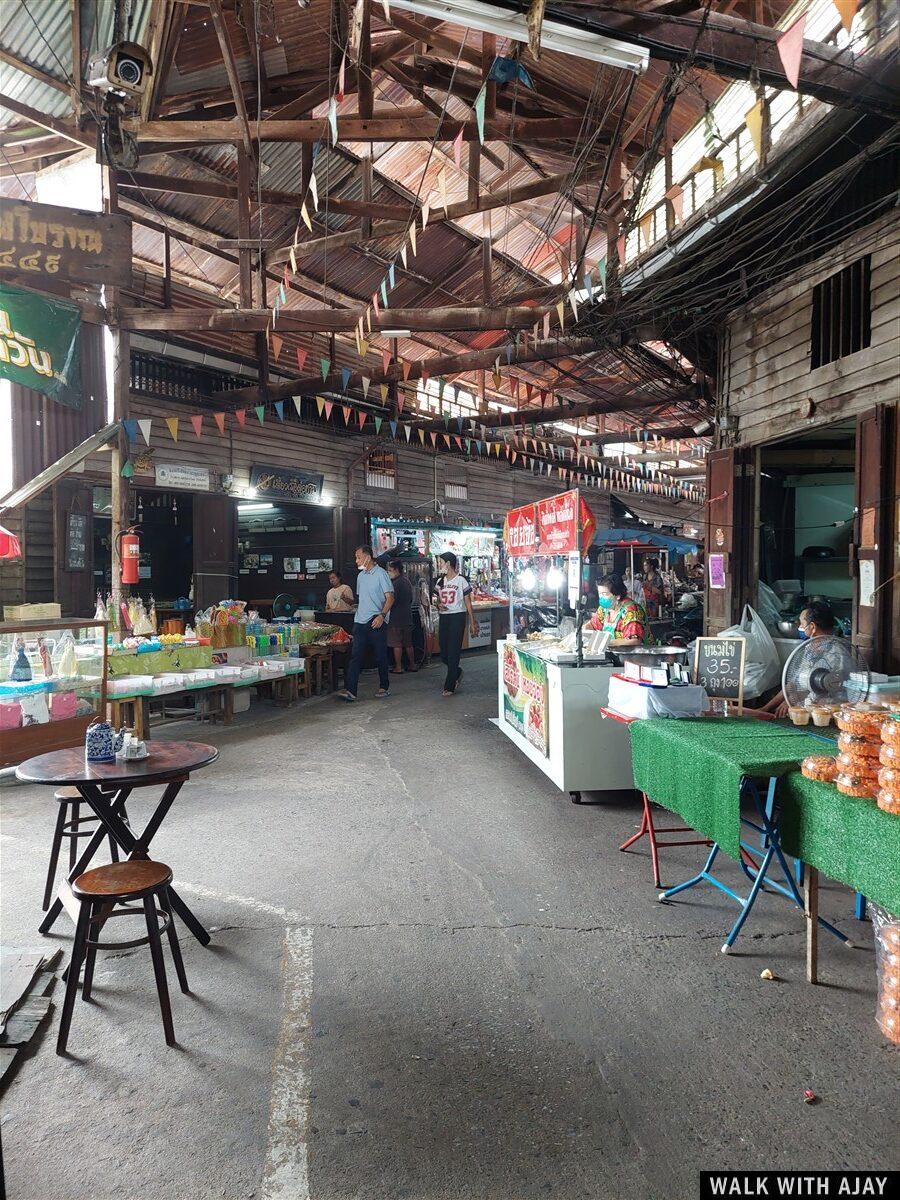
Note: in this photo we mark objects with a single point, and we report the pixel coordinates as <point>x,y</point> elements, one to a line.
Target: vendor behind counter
<point>619,615</point>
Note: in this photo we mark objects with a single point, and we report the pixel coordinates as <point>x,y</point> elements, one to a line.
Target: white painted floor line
<point>286,1171</point>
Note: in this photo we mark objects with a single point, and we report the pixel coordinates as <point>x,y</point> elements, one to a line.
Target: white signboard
<point>175,475</point>
<point>483,621</point>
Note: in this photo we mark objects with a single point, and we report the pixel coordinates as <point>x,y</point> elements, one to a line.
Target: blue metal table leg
<point>860,907</point>
<point>694,880</point>
<point>749,902</point>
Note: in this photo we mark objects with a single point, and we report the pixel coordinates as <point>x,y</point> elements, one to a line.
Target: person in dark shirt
<point>400,629</point>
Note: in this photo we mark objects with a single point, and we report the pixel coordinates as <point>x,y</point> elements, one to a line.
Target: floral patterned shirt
<point>630,622</point>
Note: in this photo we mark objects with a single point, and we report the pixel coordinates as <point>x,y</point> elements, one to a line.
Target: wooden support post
<point>811,912</point>
<point>667,167</point>
<point>75,16</point>
<point>167,270</point>
<point>367,175</point>
<point>245,264</point>
<point>486,258</point>
<point>474,171</point>
<point>120,491</point>
<point>262,340</point>
<point>488,54</point>
<point>365,94</point>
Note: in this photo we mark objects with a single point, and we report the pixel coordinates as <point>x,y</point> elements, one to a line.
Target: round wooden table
<point>105,787</point>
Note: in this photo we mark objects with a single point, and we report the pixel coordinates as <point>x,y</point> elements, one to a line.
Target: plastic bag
<point>887,966</point>
<point>762,670</point>
<point>769,606</point>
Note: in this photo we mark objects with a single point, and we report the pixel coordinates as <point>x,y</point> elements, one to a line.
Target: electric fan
<point>284,605</point>
<point>825,670</point>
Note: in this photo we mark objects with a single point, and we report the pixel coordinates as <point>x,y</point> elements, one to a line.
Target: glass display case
<point>52,685</point>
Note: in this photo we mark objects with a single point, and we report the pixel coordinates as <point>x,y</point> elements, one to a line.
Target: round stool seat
<point>132,879</point>
<point>65,795</point>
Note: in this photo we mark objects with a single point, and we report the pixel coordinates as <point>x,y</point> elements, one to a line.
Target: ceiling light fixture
<point>507,23</point>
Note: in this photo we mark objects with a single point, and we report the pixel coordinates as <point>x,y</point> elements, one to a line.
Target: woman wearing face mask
<point>619,615</point>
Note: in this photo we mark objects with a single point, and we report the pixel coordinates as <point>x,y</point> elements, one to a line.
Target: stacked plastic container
<point>859,743</point>
<point>887,960</point>
<point>888,795</point>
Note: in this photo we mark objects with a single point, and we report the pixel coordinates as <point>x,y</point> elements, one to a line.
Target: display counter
<point>551,712</point>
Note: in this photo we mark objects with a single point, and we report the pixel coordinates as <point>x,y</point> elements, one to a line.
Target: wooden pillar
<point>167,270</point>
<point>488,54</point>
<point>486,258</point>
<point>262,342</point>
<point>667,167</point>
<point>367,178</point>
<point>811,912</point>
<point>245,261</point>
<point>120,489</point>
<point>306,166</point>
<point>474,171</point>
<point>364,89</point>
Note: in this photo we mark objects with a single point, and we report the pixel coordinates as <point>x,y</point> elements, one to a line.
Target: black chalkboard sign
<point>76,541</point>
<point>719,666</point>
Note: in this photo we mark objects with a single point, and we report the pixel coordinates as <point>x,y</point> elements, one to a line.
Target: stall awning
<point>626,539</point>
<point>67,463</point>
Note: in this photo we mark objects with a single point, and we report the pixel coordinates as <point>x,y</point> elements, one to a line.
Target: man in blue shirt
<point>376,595</point>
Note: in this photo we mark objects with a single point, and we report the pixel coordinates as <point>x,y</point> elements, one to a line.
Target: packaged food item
<point>798,714</point>
<point>859,747</point>
<point>819,766</point>
<point>864,768</point>
<point>889,779</point>
<point>887,970</point>
<point>821,714</point>
<point>863,721</point>
<point>888,801</point>
<point>853,785</point>
<point>889,756</point>
<point>890,731</point>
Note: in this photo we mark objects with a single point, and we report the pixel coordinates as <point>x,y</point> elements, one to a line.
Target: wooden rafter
<point>231,70</point>
<point>26,68</point>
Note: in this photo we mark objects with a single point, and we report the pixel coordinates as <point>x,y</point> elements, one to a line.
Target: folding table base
<point>649,830</point>
<point>757,872</point>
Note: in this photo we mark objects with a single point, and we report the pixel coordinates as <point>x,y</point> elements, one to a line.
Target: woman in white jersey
<point>454,600</point>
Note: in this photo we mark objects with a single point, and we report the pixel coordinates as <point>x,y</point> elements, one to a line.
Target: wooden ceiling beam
<point>26,68</point>
<point>381,128</point>
<point>326,320</point>
<point>81,137</point>
<point>150,182</point>
<point>321,92</point>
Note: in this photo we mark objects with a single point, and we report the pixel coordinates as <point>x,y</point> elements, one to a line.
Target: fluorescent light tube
<point>580,43</point>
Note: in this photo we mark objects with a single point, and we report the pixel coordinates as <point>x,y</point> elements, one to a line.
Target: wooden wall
<point>766,352</point>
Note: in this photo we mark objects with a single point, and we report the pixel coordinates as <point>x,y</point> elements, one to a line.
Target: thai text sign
<point>525,696</point>
<point>63,243</point>
<point>560,524</point>
<point>287,484</point>
<point>40,344</point>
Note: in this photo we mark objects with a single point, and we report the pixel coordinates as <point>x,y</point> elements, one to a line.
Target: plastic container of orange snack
<point>863,722</point>
<point>819,766</point>
<point>889,756</point>
<point>861,768</point>
<point>889,780</point>
<point>854,785</point>
<point>859,747</point>
<point>888,801</point>
<point>890,731</point>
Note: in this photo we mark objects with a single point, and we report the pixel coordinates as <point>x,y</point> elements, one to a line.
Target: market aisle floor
<point>434,977</point>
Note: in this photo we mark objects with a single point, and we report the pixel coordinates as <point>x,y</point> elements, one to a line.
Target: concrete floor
<point>434,977</point>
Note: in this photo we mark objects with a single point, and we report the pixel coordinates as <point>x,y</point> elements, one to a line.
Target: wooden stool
<point>318,660</point>
<point>98,891</point>
<point>67,826</point>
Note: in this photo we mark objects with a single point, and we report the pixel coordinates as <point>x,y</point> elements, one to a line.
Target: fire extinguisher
<point>129,554</point>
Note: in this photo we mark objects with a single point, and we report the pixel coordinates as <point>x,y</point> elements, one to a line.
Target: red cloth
<point>9,544</point>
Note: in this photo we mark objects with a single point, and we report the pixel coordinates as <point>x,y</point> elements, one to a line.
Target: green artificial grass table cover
<point>694,767</point>
<point>847,838</point>
<point>171,658</point>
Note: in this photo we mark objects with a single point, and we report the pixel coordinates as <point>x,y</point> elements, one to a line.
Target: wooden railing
<point>172,379</point>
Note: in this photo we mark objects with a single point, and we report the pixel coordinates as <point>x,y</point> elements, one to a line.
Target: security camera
<point>125,68</point>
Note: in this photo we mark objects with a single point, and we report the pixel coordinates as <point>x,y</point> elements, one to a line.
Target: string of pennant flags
<point>527,451</point>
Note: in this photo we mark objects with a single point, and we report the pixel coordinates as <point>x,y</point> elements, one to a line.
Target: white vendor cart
<point>549,703</point>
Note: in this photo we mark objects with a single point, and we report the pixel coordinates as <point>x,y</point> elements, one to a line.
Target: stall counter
<point>551,712</point>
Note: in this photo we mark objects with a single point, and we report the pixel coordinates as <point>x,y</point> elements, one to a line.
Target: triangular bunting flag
<point>384,293</point>
<point>753,119</point>
<point>412,238</point>
<point>144,424</point>
<point>408,429</point>
<point>392,276</point>
<point>172,423</point>
<point>240,415</point>
<point>320,404</point>
<point>345,377</point>
<point>406,367</point>
<point>433,437</point>
<point>127,469</point>
<point>546,326</point>
<point>457,150</point>
<point>324,367</point>
<point>131,429</point>
<point>366,383</point>
<point>426,210</point>
<point>561,313</point>
<point>332,120</point>
<point>314,189</point>
<point>361,417</point>
<point>340,78</point>
<point>301,359</point>
<point>479,111</point>
<point>304,213</point>
<point>385,360</point>
<point>403,255</point>
<point>277,343</point>
<point>790,50</point>
<point>219,419</point>
<point>260,411</point>
<point>279,409</point>
<point>847,10</point>
<point>346,410</point>
<point>329,405</point>
<point>298,405</point>
<point>378,421</point>
<point>383,388</point>
<point>393,425</point>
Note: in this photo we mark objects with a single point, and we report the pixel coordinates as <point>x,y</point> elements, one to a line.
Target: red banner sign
<point>558,525</point>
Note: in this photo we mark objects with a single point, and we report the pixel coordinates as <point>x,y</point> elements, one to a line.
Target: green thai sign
<point>40,344</point>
